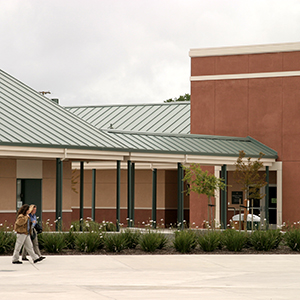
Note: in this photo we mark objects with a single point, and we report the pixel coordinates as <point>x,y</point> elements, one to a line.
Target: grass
<point>7,241</point>
<point>152,240</point>
<point>185,241</point>
<point>210,241</point>
<point>292,239</point>
<point>115,242</point>
<point>265,240</point>
<point>89,241</point>
<point>234,240</point>
<point>52,242</point>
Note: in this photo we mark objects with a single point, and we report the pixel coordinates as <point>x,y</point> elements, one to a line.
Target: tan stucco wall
<point>106,189</point>
<point>8,184</point>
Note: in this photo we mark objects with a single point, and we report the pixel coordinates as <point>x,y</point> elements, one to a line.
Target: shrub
<point>265,240</point>
<point>70,238</point>
<point>85,226</point>
<point>108,226</point>
<point>163,241</point>
<point>234,240</point>
<point>210,241</point>
<point>185,241</point>
<point>292,239</point>
<point>7,241</point>
<point>151,241</point>
<point>115,242</point>
<point>89,242</point>
<point>52,242</point>
<point>132,238</point>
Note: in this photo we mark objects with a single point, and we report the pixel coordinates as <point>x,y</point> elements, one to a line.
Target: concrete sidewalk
<point>121,277</point>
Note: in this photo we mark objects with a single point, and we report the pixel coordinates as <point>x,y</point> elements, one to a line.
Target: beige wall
<point>8,178</point>
<point>106,189</point>
<point>8,184</point>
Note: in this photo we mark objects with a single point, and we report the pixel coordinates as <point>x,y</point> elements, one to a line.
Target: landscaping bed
<point>97,240</point>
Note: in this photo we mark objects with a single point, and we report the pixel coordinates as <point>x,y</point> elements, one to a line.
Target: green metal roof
<point>28,118</point>
<point>195,144</point>
<point>163,117</point>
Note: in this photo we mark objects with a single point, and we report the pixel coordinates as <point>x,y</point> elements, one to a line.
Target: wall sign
<point>237,197</point>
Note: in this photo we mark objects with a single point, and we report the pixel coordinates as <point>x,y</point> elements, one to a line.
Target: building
<point>129,158</point>
<point>253,91</point>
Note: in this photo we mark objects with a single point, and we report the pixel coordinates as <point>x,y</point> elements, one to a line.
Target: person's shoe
<point>17,262</point>
<point>26,259</point>
<point>42,257</point>
<point>37,260</point>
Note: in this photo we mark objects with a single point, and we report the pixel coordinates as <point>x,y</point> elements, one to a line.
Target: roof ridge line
<point>132,104</point>
<point>204,136</point>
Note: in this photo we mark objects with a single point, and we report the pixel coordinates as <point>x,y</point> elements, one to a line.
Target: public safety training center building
<point>125,161</point>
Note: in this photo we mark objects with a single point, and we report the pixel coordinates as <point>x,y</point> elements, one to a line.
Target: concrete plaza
<point>122,277</point>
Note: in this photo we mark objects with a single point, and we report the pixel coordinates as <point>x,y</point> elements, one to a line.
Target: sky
<point>104,52</point>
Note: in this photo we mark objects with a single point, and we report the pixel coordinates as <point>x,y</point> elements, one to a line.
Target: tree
<point>201,182</point>
<point>248,176</point>
<point>185,97</point>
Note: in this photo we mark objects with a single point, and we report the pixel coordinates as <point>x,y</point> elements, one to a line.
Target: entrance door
<point>29,191</point>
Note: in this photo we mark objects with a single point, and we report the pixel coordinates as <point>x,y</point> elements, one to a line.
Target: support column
<point>81,193</point>
<point>118,209</point>
<point>59,185</point>
<point>154,197</point>
<point>224,198</point>
<point>279,193</point>
<point>180,210</point>
<point>129,193</point>
<point>93,193</point>
<point>132,192</point>
<point>217,197</point>
<point>267,196</point>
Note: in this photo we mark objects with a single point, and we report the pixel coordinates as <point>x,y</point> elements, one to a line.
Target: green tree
<point>248,176</point>
<point>201,182</point>
<point>185,97</point>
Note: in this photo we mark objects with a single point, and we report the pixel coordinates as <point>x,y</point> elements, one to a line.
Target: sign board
<point>237,197</point>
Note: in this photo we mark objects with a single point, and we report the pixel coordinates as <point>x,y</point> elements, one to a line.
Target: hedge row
<point>183,241</point>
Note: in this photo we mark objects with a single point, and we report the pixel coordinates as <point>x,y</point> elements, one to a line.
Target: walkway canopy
<point>33,126</point>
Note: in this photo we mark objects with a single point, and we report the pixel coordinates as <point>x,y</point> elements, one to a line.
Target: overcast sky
<point>95,52</point>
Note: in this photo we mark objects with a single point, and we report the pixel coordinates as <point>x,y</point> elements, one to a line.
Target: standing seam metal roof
<point>162,117</point>
<point>194,144</point>
<point>30,119</point>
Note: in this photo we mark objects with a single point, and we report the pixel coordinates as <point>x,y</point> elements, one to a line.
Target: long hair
<point>23,210</point>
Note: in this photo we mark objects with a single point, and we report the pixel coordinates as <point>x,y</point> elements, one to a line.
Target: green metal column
<point>132,192</point>
<point>81,192</point>
<point>267,196</point>
<point>93,193</point>
<point>129,192</point>
<point>182,197</point>
<point>59,185</point>
<point>118,209</point>
<point>154,197</point>
<point>224,198</point>
<point>180,210</point>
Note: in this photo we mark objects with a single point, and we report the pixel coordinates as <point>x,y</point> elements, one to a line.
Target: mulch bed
<point>171,251</point>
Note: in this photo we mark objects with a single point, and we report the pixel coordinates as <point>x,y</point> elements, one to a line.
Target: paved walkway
<point>122,277</point>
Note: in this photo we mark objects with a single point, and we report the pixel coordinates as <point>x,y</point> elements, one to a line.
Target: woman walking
<point>22,227</point>
<point>34,238</point>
